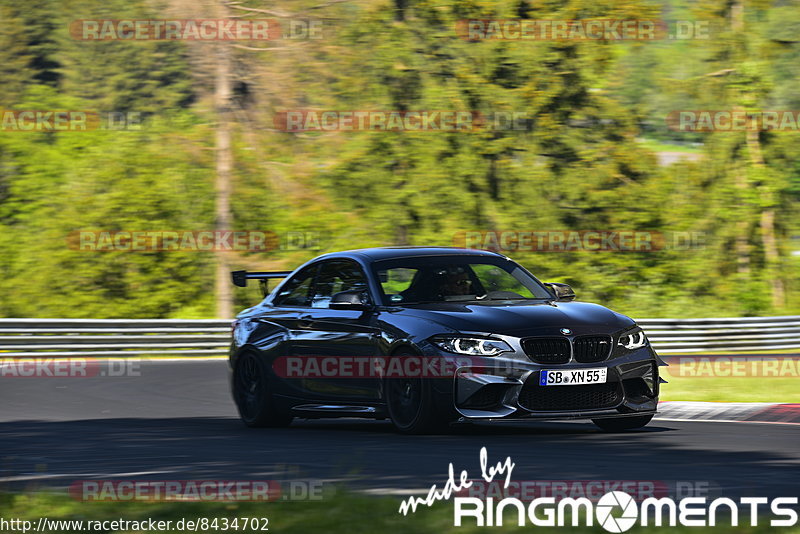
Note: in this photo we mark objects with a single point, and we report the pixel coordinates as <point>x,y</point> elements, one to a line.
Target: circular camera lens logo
<point>607,504</point>
<point>566,331</point>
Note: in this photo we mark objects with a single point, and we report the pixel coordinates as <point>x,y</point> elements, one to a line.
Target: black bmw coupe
<point>430,336</point>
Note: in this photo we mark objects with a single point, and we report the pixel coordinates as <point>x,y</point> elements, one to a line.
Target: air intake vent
<point>567,398</point>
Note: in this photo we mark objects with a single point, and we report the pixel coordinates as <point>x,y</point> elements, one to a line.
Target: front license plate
<point>573,377</point>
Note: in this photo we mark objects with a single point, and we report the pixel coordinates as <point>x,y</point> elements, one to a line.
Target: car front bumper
<point>491,388</point>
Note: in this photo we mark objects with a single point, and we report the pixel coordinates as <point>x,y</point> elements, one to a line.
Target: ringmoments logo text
<point>615,511</point>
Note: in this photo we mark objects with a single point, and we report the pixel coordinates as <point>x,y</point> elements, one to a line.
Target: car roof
<point>388,253</point>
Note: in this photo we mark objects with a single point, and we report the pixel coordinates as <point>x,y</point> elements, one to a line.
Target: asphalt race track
<point>177,421</point>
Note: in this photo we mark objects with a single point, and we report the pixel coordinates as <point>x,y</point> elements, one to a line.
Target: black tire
<point>252,394</point>
<point>412,405</point>
<point>620,424</point>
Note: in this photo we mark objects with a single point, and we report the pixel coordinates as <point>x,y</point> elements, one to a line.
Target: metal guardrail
<point>729,334</point>
<point>72,338</point>
<point>64,338</point>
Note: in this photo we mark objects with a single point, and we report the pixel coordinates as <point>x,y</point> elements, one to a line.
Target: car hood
<point>519,319</point>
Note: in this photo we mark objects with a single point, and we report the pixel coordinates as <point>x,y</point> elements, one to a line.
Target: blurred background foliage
<point>597,157</point>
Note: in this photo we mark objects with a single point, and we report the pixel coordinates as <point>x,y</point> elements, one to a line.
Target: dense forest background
<point>598,155</point>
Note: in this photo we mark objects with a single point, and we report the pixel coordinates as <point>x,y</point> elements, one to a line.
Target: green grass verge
<point>728,389</point>
<point>344,513</point>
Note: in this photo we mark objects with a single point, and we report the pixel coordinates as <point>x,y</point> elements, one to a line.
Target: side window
<point>396,281</point>
<point>336,276</point>
<point>297,291</point>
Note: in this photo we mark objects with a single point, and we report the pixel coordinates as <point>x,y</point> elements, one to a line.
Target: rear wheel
<point>620,424</point>
<point>253,394</point>
<point>412,407</point>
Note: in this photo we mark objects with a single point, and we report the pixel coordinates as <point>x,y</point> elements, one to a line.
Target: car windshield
<point>421,279</point>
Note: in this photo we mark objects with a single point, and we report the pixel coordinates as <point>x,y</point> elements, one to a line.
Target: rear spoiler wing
<point>240,278</point>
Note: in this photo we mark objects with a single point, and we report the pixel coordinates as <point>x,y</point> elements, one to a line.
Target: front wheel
<point>253,395</point>
<point>620,424</point>
<point>412,407</point>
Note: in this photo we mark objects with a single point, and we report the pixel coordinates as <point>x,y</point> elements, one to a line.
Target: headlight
<point>474,346</point>
<point>633,339</point>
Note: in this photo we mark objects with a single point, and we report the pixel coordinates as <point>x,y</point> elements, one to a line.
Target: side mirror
<point>355,299</point>
<point>562,292</point>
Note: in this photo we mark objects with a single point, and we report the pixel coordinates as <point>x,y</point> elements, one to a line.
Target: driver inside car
<point>456,282</point>
<point>439,283</point>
